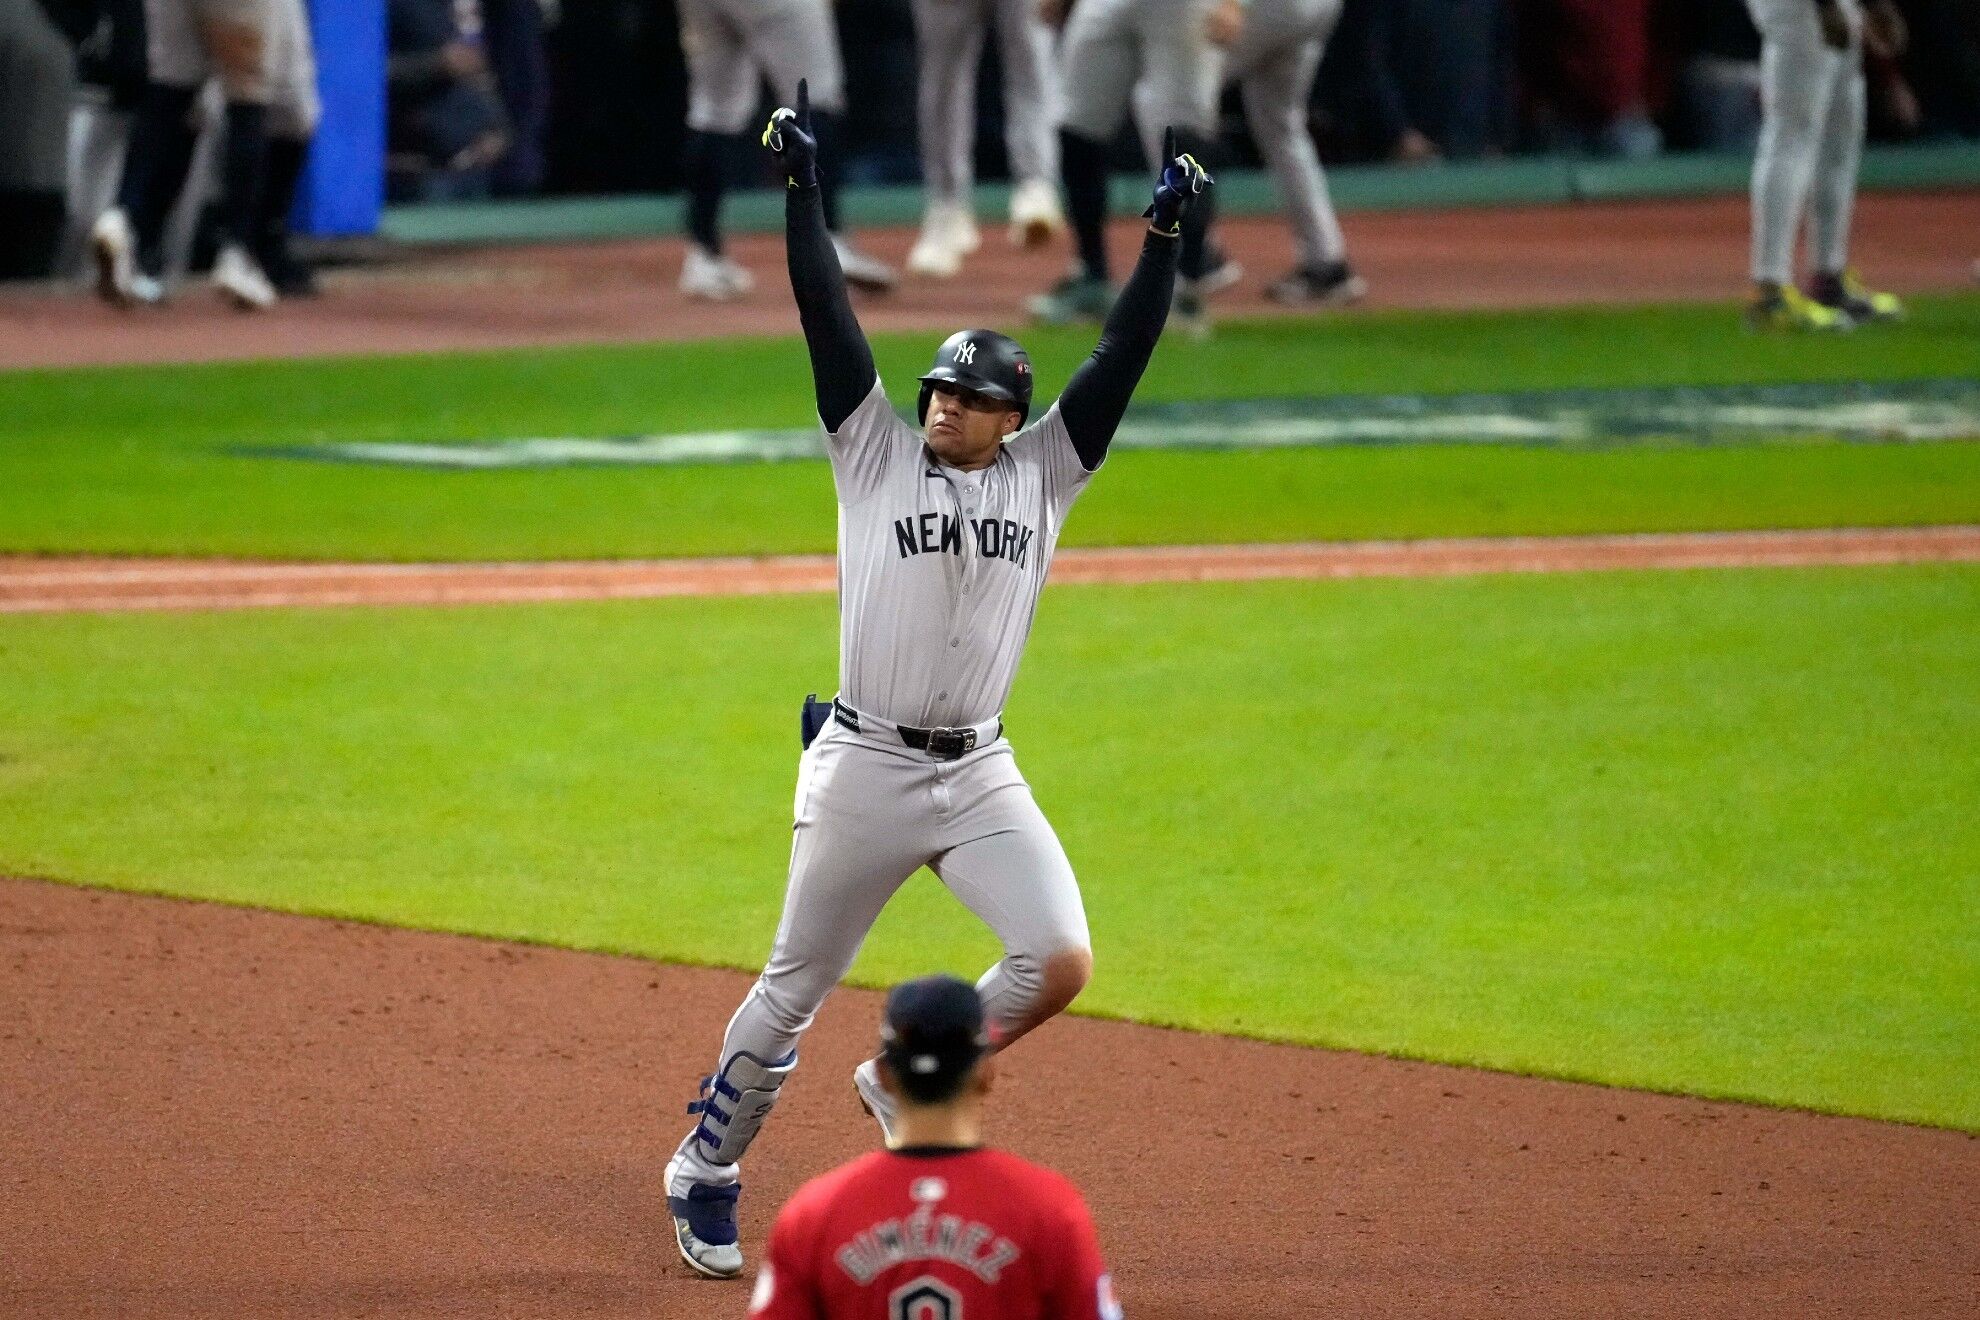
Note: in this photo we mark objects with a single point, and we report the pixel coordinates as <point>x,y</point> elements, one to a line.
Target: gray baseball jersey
<point>940,570</point>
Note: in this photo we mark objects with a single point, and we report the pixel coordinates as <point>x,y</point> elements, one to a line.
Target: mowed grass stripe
<point>1710,832</point>
<point>141,460</point>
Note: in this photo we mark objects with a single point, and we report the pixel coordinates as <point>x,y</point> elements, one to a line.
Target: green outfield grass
<point>138,460</point>
<point>1708,832</point>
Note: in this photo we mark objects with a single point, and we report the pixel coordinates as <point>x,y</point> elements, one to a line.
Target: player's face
<point>964,428</point>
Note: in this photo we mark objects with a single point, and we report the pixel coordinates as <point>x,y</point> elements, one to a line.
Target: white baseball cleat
<point>874,1099</point>
<point>948,234</point>
<point>704,1217</point>
<point>113,247</point>
<point>715,279</point>
<point>238,278</point>
<point>960,224</point>
<point>933,258</point>
<point>862,271</point>
<point>1036,217</point>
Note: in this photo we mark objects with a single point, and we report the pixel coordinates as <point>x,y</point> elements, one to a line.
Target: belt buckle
<point>948,744</point>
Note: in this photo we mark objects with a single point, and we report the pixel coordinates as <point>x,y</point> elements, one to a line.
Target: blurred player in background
<point>1158,57</point>
<point>730,47</point>
<point>949,41</point>
<point>260,53</point>
<point>1811,140</point>
<point>1274,49</point>
<point>938,1227</point>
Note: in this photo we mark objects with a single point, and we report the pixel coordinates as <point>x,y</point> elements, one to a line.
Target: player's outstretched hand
<point>789,135</point>
<point>1182,179</point>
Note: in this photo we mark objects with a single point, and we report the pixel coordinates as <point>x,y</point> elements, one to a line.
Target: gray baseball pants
<point>869,813</point>
<point>949,41</point>
<point>258,50</point>
<point>1273,64</point>
<point>732,46</point>
<point>1811,138</point>
<point>1111,46</point>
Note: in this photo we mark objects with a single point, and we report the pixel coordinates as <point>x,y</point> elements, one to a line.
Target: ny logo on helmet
<point>966,354</point>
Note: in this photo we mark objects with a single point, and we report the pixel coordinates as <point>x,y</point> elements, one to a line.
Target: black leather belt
<point>942,744</point>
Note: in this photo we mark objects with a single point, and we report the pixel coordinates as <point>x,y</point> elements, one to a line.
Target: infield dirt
<point>30,584</point>
<point>220,1112</point>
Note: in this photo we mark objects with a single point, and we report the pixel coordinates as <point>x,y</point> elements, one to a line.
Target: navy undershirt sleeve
<point>1097,396</point>
<point>842,370</point>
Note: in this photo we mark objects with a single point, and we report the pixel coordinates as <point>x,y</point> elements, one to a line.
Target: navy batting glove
<point>789,135</point>
<point>1182,179</point>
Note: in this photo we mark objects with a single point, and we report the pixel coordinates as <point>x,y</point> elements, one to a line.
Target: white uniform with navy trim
<point>939,575</point>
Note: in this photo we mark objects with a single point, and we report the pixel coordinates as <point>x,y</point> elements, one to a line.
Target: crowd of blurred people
<point>514,97</point>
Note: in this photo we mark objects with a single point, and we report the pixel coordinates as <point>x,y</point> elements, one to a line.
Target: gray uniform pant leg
<point>1152,54</point>
<point>730,46</point>
<point>37,85</point>
<point>1032,93</point>
<point>1274,65</point>
<point>1099,63</point>
<point>949,45</point>
<point>795,39</point>
<point>188,41</point>
<point>867,817</point>
<point>723,83</point>
<point>949,39</point>
<point>1012,872</point>
<point>1799,78</point>
<point>293,104</point>
<point>1832,199</point>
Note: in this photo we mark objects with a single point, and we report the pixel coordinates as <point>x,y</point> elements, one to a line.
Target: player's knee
<point>1795,116</point>
<point>1062,976</point>
<point>788,1003</point>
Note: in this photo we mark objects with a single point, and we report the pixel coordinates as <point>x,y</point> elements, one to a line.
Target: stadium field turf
<point>150,459</point>
<point>1699,831</point>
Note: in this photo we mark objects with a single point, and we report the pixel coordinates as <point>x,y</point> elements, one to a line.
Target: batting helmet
<point>983,361</point>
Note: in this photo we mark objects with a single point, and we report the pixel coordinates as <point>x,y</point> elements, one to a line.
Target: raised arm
<point>1097,397</point>
<point>842,371</point>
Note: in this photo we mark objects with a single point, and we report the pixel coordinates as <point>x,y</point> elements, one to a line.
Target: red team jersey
<point>935,1235</point>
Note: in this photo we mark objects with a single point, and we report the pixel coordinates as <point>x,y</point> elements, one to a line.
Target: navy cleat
<point>705,1225</point>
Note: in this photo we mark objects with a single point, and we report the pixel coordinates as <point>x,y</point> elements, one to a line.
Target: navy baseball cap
<point>932,1034</point>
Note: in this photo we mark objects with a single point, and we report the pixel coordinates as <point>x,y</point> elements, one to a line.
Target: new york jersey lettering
<point>935,642</point>
<point>933,533</point>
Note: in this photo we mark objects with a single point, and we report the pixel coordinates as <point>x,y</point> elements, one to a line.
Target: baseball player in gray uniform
<point>949,41</point>
<point>731,46</point>
<point>1273,60</point>
<point>1107,49</point>
<point>260,53</point>
<point>945,536</point>
<point>1811,141</point>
